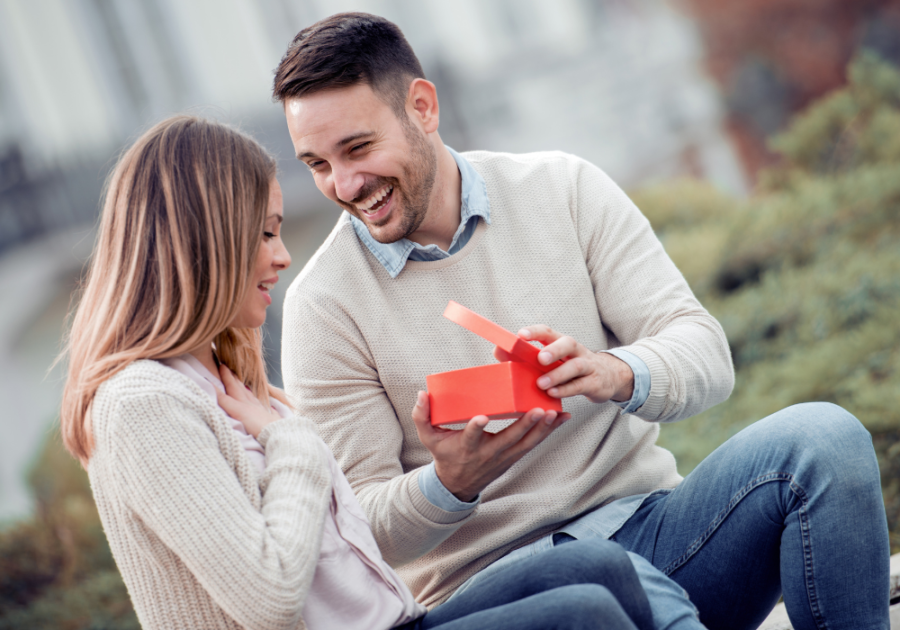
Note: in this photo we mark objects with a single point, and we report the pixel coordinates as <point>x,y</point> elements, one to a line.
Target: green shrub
<point>56,569</point>
<point>805,275</point>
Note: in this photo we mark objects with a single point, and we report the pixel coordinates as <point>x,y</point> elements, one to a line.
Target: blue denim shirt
<point>475,206</point>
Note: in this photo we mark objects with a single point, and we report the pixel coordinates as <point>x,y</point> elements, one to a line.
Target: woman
<point>222,508</point>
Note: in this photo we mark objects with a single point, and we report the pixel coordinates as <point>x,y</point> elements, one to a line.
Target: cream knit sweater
<point>566,248</point>
<point>200,540</point>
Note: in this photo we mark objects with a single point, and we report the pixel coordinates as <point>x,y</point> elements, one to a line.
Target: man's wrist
<point>640,374</point>
<point>466,496</point>
<point>624,380</point>
<point>437,493</point>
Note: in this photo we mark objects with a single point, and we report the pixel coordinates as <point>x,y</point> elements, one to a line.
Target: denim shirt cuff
<point>641,380</point>
<point>438,495</point>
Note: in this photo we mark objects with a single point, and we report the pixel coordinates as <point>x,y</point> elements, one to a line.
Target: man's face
<point>364,158</point>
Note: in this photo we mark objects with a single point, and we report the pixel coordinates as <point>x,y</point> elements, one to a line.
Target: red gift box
<point>498,391</point>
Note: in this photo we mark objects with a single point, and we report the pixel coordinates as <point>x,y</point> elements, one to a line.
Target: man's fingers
<point>513,434</point>
<point>568,371</point>
<point>575,387</point>
<point>474,432</point>
<point>539,432</point>
<point>421,412</point>
<point>421,415</point>
<point>539,332</point>
<point>561,349</point>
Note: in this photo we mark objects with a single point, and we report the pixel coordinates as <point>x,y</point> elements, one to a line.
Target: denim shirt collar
<point>393,256</point>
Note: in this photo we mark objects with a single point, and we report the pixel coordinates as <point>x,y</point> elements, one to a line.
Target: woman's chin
<point>249,321</point>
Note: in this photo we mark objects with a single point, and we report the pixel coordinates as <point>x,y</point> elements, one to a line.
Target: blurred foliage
<point>805,275</point>
<point>56,569</point>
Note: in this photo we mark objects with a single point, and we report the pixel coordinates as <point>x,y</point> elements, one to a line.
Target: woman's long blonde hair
<point>182,222</point>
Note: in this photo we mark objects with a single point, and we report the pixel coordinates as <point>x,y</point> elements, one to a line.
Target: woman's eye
<point>269,234</point>
<point>360,146</point>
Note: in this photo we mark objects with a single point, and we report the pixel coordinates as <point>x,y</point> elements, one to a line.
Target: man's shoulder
<point>522,161</point>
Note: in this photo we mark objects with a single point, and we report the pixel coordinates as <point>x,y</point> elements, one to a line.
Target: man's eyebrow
<point>339,144</point>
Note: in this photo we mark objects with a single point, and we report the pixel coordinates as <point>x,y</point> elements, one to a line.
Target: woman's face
<point>271,259</point>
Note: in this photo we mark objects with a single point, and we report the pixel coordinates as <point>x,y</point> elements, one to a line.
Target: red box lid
<point>519,349</point>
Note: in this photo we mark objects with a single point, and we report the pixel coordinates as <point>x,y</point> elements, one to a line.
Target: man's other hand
<point>467,460</point>
<point>599,376</point>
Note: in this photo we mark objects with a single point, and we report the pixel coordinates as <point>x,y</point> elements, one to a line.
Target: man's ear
<point>422,104</point>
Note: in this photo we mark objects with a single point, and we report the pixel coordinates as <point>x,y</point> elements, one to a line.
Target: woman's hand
<point>240,403</point>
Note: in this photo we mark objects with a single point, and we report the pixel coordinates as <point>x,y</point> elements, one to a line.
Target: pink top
<point>353,587</point>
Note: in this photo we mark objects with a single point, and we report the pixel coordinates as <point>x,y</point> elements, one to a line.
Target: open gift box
<point>498,391</point>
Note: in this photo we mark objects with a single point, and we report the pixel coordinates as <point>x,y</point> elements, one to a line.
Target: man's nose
<point>347,182</point>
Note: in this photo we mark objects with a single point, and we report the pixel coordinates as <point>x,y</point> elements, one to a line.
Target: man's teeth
<point>266,285</point>
<point>369,203</point>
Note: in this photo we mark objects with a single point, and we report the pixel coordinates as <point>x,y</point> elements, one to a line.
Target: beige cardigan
<point>201,541</point>
<point>566,248</point>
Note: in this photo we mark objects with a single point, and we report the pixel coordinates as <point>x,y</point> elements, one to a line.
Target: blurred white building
<point>618,82</point>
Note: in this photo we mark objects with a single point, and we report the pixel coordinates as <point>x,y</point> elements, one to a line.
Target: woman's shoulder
<point>148,379</point>
<point>145,376</point>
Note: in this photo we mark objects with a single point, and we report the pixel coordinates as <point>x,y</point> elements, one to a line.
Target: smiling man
<point>791,505</point>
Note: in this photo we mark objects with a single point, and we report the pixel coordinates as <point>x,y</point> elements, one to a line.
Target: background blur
<point>770,171</point>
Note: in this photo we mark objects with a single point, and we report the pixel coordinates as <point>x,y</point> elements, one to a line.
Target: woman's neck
<point>204,354</point>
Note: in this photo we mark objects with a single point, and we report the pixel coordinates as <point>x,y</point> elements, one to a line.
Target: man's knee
<point>827,436</point>
<point>824,426</point>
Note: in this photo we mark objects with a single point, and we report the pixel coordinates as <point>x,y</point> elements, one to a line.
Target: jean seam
<point>808,557</point>
<point>695,546</point>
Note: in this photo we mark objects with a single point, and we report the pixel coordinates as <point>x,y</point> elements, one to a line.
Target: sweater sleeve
<point>646,302</point>
<point>332,378</point>
<point>257,564</point>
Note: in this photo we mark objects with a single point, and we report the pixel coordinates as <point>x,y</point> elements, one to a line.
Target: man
<point>790,505</point>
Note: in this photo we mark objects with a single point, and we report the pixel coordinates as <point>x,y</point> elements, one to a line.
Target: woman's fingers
<point>232,386</point>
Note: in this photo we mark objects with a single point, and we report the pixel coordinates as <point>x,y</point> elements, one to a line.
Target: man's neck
<point>443,216</point>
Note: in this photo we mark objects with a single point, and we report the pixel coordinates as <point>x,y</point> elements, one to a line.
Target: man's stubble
<point>414,192</point>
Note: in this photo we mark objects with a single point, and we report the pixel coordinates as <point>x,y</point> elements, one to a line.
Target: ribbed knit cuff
<point>285,424</point>
<point>431,512</point>
<point>656,401</point>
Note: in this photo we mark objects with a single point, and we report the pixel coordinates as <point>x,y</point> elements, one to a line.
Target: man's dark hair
<point>348,49</point>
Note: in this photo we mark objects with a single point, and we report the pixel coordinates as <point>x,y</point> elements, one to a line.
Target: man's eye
<point>360,146</point>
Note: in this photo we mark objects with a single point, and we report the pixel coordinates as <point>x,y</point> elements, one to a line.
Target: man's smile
<point>376,201</point>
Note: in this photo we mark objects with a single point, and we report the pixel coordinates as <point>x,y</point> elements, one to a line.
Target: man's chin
<point>383,232</point>
<point>385,237</point>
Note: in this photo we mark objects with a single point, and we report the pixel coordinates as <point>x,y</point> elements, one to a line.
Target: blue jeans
<point>580,585</point>
<point>791,505</point>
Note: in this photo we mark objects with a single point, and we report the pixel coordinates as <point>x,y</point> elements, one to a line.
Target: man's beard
<point>413,197</point>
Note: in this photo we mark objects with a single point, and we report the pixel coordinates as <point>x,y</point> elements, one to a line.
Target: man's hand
<point>597,375</point>
<point>466,461</point>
